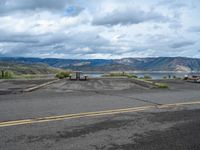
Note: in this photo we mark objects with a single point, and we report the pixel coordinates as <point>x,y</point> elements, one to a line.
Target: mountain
<point>163,63</point>
<point>125,64</point>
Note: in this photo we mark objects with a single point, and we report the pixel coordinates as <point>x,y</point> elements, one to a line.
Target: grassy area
<point>156,84</point>
<point>21,69</point>
<point>145,79</point>
<point>11,75</point>
<point>6,74</point>
<point>172,77</point>
<point>28,76</point>
<point>63,74</point>
<point>162,85</point>
<point>121,74</point>
<point>26,71</point>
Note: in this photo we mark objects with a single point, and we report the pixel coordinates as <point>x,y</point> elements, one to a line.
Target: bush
<point>62,75</point>
<point>161,85</point>
<point>164,77</point>
<point>6,75</point>
<point>147,77</point>
<point>117,74</point>
<point>132,76</point>
<point>122,74</point>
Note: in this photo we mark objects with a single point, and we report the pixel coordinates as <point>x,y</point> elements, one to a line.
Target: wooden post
<point>85,77</point>
<point>2,74</point>
<point>78,74</point>
<point>70,76</point>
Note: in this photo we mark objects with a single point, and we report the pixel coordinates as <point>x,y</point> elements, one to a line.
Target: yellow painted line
<point>61,117</point>
<point>92,114</point>
<point>97,112</point>
<point>72,116</point>
<point>179,104</point>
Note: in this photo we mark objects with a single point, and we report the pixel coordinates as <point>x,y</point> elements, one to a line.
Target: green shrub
<point>122,74</point>
<point>132,76</point>
<point>162,85</point>
<point>62,75</point>
<point>6,75</point>
<point>164,77</point>
<point>28,76</point>
<point>147,77</point>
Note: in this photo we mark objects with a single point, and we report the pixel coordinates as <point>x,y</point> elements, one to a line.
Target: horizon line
<point>98,58</point>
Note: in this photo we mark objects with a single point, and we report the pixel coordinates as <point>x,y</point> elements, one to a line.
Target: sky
<point>99,29</point>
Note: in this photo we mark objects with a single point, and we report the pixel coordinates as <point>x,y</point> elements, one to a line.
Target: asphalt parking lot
<point>173,127</point>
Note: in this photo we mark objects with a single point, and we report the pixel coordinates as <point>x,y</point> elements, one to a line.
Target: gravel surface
<point>17,86</point>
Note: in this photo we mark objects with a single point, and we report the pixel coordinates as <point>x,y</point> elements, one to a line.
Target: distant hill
<point>22,68</point>
<point>163,63</point>
<point>125,64</point>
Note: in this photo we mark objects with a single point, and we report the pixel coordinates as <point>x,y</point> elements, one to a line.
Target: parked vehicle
<point>193,78</point>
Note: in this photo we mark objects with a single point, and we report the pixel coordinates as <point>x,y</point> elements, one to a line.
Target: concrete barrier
<point>39,86</point>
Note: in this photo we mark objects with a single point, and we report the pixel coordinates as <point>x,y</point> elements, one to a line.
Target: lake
<point>154,75</point>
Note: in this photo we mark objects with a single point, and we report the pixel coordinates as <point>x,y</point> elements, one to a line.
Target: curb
<point>39,86</point>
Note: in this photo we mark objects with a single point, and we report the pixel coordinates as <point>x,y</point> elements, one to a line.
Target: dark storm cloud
<point>80,39</point>
<point>71,43</point>
<point>182,44</point>
<point>12,6</point>
<point>129,16</point>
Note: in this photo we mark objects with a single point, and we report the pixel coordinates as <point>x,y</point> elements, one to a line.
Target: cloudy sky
<point>99,28</point>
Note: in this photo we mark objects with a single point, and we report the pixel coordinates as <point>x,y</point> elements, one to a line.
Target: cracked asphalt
<point>176,128</point>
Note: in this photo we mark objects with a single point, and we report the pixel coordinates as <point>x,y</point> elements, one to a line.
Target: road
<point>111,129</point>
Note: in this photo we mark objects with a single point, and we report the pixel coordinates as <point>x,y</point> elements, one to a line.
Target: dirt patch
<point>17,86</point>
<point>180,84</point>
<point>100,84</point>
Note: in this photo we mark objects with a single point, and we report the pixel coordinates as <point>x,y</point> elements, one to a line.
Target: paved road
<point>105,132</point>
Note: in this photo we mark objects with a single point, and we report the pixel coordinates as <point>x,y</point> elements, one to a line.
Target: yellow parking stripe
<point>92,114</point>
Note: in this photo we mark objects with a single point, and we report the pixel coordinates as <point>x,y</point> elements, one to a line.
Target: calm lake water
<point>154,75</point>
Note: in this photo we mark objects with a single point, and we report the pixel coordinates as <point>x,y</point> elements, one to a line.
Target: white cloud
<point>129,16</point>
<point>99,29</point>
